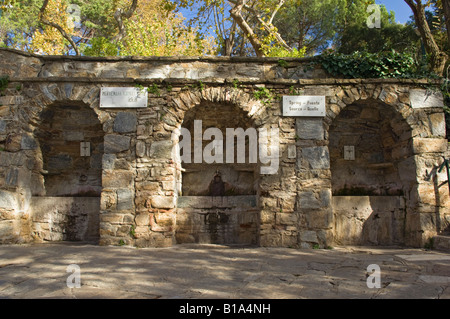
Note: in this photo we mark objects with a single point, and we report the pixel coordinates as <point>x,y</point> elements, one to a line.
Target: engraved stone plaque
<point>123,97</point>
<point>304,106</point>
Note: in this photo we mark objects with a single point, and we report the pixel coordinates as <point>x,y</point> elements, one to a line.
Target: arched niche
<point>70,140</point>
<point>238,178</point>
<point>371,156</point>
<point>219,201</point>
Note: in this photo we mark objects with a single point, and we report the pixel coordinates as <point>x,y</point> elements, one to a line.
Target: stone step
<point>442,242</point>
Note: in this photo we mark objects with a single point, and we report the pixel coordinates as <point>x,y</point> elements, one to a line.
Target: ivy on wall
<point>363,65</point>
<point>4,81</point>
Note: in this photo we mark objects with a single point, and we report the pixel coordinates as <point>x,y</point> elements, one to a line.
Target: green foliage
<point>4,81</point>
<point>264,95</point>
<point>309,25</point>
<point>4,4</point>
<point>391,36</point>
<point>356,36</point>
<point>278,52</point>
<point>295,91</point>
<point>132,231</point>
<point>100,46</point>
<point>373,65</point>
<point>236,84</point>
<point>121,242</point>
<point>282,63</point>
<point>140,87</point>
<point>200,86</point>
<point>19,23</point>
<point>157,28</point>
<point>154,89</point>
<point>97,17</point>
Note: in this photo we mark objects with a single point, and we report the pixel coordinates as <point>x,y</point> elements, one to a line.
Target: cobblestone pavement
<point>208,271</point>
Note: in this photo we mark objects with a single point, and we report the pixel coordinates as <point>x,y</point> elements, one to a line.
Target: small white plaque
<point>123,97</point>
<point>349,153</point>
<point>85,149</point>
<point>304,106</point>
<point>292,151</point>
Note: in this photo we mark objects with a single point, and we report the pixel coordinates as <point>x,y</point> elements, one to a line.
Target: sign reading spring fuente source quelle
<point>313,106</point>
<point>123,97</point>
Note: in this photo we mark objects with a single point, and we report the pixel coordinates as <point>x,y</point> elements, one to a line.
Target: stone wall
<point>369,220</point>
<point>140,200</point>
<point>217,220</point>
<point>67,173</point>
<point>65,218</point>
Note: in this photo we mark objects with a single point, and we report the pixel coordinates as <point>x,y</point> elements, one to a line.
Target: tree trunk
<point>64,34</point>
<point>230,40</point>
<point>119,15</point>
<point>236,14</point>
<point>446,7</point>
<point>438,58</point>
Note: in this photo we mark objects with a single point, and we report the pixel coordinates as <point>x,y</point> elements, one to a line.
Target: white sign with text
<point>123,97</point>
<point>305,106</point>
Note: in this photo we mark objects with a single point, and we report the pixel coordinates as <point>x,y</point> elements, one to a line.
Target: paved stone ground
<point>39,271</point>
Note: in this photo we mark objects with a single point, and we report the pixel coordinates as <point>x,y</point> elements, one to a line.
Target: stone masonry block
<point>437,124</point>
<point>163,202</point>
<point>422,98</point>
<point>310,129</point>
<point>116,143</point>
<point>429,145</point>
<point>117,179</point>
<point>316,157</point>
<point>125,198</point>
<point>125,122</point>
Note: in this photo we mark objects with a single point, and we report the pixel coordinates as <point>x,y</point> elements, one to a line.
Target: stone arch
<point>230,216</point>
<point>89,94</point>
<point>190,99</point>
<point>397,99</point>
<point>378,123</point>
<point>60,94</point>
<point>66,205</point>
<point>64,126</point>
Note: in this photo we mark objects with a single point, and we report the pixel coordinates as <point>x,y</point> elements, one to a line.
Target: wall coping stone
<point>145,59</point>
<point>294,62</point>
<point>215,81</point>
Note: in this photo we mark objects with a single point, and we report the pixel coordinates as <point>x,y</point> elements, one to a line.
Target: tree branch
<point>57,27</point>
<point>280,4</point>
<point>119,15</point>
<point>236,14</point>
<point>438,58</point>
<point>446,6</point>
<point>268,27</point>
